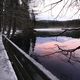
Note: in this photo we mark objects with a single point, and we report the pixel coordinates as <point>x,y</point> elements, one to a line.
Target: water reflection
<point>58,32</point>
<point>25,40</point>
<point>50,39</point>
<point>58,63</point>
<point>49,29</point>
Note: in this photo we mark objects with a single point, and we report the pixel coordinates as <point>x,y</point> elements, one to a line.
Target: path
<point>6,69</point>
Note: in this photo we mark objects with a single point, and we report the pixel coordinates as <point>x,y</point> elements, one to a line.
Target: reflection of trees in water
<point>70,54</point>
<point>73,34</point>
<point>25,40</point>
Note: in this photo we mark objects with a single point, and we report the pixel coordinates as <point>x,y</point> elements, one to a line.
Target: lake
<point>58,63</point>
<point>45,47</point>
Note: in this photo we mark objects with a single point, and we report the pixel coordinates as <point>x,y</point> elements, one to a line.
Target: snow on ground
<point>6,70</point>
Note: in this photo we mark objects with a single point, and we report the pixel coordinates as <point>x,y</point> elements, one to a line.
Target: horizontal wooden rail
<point>26,67</point>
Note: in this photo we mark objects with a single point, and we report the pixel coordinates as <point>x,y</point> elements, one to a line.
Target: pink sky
<point>50,47</point>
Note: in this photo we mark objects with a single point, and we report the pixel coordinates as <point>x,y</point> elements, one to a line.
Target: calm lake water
<point>58,63</point>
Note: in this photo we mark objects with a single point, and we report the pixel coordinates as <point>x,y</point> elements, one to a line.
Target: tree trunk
<point>14,27</point>
<point>9,26</point>
<point>1,13</point>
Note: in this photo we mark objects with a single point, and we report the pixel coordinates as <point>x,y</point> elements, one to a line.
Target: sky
<point>69,12</point>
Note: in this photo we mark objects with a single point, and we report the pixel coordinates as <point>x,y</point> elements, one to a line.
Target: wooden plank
<point>39,67</point>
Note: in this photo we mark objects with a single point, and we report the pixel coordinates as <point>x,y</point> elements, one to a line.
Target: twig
<point>69,51</point>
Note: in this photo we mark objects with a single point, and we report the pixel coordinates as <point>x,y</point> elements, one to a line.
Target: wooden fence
<point>26,68</point>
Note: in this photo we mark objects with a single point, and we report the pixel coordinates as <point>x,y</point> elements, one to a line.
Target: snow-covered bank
<point>6,69</point>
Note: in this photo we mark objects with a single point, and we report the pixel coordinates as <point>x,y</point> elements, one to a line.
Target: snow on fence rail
<point>24,65</point>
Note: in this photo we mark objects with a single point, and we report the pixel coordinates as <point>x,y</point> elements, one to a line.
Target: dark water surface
<point>58,64</point>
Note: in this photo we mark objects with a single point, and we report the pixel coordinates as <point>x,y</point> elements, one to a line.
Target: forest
<point>44,32</point>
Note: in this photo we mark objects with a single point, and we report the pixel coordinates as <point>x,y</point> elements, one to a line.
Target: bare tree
<point>1,13</point>
<point>50,7</point>
<point>15,15</point>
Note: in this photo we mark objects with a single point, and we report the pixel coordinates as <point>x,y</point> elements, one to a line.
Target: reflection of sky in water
<point>49,29</point>
<point>50,39</point>
<point>58,63</point>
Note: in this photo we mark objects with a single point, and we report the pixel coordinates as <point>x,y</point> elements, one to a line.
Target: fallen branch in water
<point>64,31</point>
<point>69,51</point>
<point>63,51</point>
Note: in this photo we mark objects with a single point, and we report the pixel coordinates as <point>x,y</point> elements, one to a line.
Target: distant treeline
<point>50,23</point>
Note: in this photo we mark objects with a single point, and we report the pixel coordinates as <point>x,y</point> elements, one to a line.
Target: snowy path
<point>6,70</point>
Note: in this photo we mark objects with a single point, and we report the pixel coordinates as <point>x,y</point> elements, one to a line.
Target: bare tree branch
<point>62,9</point>
<point>76,13</point>
<point>71,3</point>
<point>48,9</point>
<point>65,52</point>
<point>53,3</point>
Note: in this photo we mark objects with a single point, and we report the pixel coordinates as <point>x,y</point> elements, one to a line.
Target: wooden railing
<point>26,68</point>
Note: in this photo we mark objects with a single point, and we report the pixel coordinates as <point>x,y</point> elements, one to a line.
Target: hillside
<point>50,23</point>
